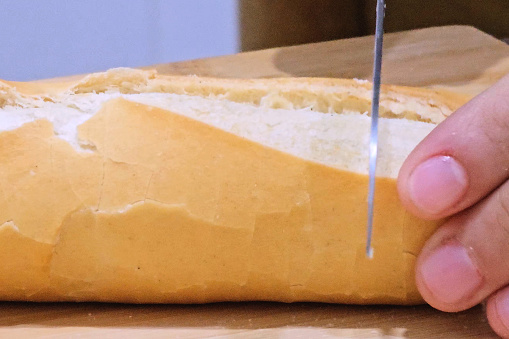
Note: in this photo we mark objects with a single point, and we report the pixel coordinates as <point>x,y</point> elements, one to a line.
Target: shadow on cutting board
<point>450,56</point>
<point>458,58</point>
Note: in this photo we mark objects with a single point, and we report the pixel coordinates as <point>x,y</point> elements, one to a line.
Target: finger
<point>462,159</point>
<point>497,310</point>
<point>467,259</point>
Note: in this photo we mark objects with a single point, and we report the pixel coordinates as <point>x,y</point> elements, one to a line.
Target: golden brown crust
<point>169,209</point>
<point>322,94</point>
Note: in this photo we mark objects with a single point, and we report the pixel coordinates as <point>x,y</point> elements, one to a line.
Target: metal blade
<point>373,141</point>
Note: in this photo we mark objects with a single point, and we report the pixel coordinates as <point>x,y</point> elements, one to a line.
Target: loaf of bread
<point>129,186</point>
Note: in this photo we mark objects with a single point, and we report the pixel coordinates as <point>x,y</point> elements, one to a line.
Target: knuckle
<point>494,118</point>
<point>502,214</point>
<point>496,133</point>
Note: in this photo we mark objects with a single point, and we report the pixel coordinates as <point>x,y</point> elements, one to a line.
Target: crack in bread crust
<point>162,207</point>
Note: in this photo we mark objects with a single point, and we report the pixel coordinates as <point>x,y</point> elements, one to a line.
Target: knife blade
<point>373,140</point>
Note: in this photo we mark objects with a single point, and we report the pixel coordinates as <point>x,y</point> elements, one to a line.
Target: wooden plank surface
<point>237,320</point>
<point>458,58</point>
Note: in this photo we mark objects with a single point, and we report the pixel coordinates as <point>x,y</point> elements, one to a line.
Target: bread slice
<point>129,186</point>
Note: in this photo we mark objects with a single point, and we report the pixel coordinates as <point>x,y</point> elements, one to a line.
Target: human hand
<point>461,170</point>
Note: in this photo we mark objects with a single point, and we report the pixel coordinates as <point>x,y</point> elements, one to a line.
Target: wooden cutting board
<point>458,58</point>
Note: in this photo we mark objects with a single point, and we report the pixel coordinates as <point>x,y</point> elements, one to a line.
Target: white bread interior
<point>264,179</point>
<point>338,138</point>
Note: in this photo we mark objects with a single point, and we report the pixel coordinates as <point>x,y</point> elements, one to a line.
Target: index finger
<point>462,159</point>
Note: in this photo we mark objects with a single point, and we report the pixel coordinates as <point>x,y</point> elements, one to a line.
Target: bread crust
<point>167,209</point>
<point>320,93</point>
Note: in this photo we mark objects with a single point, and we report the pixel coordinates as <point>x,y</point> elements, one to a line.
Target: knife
<point>373,140</point>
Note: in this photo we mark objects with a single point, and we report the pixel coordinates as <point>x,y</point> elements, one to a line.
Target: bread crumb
<point>361,81</point>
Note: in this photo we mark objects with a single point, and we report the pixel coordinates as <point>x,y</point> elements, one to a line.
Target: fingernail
<point>502,307</point>
<point>437,184</point>
<point>449,273</point>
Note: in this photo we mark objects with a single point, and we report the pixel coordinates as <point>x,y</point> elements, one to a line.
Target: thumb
<point>462,160</point>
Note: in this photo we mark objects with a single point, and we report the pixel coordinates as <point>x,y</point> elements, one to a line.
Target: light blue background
<point>49,38</point>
